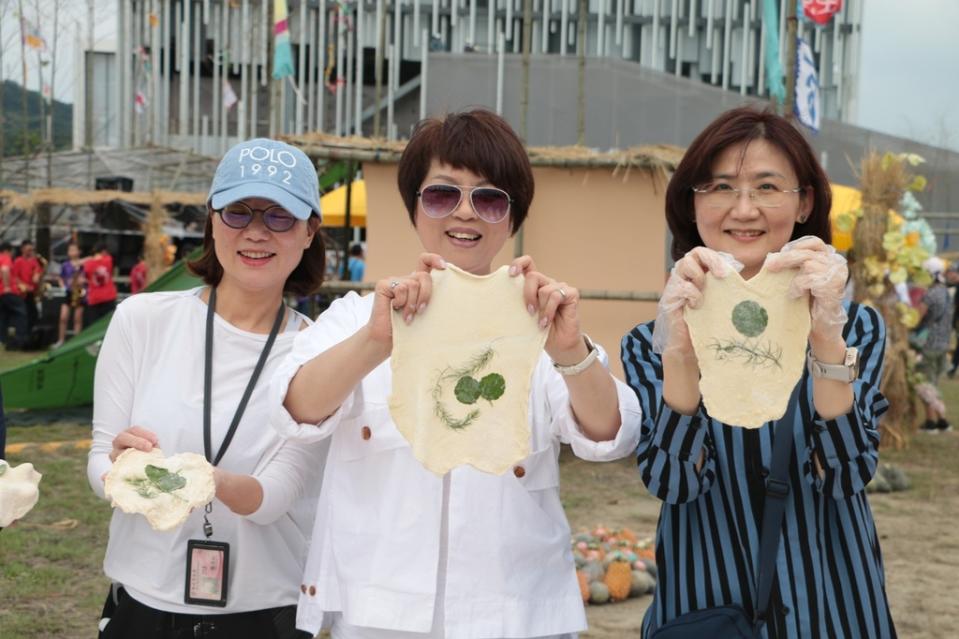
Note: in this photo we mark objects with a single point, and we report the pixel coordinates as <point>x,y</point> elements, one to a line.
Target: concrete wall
<point>586,227</point>
<point>628,105</point>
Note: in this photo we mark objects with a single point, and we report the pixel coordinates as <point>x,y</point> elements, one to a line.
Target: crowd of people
<point>328,519</point>
<point>85,286</point>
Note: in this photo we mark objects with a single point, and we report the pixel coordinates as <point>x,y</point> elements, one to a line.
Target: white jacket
<point>376,540</point>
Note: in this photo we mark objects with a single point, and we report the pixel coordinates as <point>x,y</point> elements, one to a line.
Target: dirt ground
<point>918,529</point>
<point>51,583</point>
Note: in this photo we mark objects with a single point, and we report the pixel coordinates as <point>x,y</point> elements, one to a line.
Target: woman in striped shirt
<point>748,186</point>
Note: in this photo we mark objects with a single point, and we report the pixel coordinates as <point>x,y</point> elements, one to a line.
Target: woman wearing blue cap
<point>184,372</point>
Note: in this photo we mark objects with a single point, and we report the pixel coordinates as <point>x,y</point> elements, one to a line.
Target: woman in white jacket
<point>398,551</point>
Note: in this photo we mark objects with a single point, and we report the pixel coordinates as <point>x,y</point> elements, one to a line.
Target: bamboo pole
<point>527,47</point>
<point>378,63</point>
<point>581,18</point>
<point>23,101</point>
<point>790,58</point>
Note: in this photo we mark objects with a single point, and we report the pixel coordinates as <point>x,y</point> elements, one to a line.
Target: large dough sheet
<point>461,372</point>
<point>750,339</point>
<point>132,491</point>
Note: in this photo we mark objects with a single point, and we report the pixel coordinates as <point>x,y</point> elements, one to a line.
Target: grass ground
<point>51,583</point>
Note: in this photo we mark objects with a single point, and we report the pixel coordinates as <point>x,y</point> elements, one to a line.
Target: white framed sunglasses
<point>489,203</point>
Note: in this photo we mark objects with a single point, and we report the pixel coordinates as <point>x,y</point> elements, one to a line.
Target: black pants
<point>95,311</point>
<point>13,312</point>
<point>130,619</point>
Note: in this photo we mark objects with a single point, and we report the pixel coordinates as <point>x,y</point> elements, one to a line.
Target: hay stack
<point>155,240</point>
<point>884,179</point>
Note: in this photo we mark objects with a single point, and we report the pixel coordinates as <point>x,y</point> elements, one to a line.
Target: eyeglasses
<point>490,204</point>
<point>767,196</point>
<point>238,215</point>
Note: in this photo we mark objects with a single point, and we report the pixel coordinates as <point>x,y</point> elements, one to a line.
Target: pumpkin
<point>19,491</point>
<point>598,592</point>
<point>641,583</point>
<point>594,571</point>
<point>618,579</point>
<point>583,585</point>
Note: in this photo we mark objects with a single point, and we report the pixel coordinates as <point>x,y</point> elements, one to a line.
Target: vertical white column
<point>197,58</point>
<point>392,69</point>
<point>424,72</point>
<point>727,42</point>
<point>500,59</point>
<point>360,41</point>
<point>490,25</point>
<point>300,69</point>
<point>564,27</point>
<point>340,62</point>
<point>185,71</point>
<point>744,51</point>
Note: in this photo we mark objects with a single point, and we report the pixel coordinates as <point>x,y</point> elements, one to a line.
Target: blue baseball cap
<point>269,169</point>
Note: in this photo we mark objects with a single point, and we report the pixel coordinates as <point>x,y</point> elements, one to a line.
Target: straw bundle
<point>14,200</point>
<point>884,179</point>
<point>655,159</point>
<point>155,240</point>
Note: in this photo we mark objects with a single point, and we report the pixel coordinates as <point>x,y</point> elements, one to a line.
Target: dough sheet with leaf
<point>461,372</point>
<point>750,339</point>
<point>19,491</point>
<point>165,490</point>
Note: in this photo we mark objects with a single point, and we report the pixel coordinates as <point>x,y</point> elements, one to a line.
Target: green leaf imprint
<point>492,386</point>
<point>750,318</point>
<point>467,390</point>
<point>158,480</point>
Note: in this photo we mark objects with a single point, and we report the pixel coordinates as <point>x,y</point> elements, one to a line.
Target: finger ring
<point>394,284</point>
<point>562,292</point>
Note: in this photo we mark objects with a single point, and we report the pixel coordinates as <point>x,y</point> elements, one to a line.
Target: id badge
<point>207,572</point>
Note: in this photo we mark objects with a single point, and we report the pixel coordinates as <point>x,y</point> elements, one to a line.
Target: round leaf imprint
<point>750,318</point>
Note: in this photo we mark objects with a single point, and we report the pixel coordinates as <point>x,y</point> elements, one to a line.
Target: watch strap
<point>846,372</point>
<point>576,369</point>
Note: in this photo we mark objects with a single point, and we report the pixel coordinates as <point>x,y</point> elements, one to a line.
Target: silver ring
<point>394,284</point>
<point>563,293</point>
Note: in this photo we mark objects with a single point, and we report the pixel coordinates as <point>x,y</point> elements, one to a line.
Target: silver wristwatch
<point>576,369</point>
<point>847,372</point>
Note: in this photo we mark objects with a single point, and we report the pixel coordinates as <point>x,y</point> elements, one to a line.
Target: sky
<point>910,55</point>
<point>907,86</point>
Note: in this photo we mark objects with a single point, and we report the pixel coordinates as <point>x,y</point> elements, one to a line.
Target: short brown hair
<point>477,140</point>
<point>743,125</point>
<point>305,279</point>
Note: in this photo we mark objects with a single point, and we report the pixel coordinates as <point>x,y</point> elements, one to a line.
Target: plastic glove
<point>822,273</point>
<point>685,288</point>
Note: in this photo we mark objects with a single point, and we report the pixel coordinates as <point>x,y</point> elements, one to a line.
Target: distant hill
<point>14,124</point>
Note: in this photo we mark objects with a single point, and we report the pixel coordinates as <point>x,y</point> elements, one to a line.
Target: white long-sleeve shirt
<point>378,539</point>
<point>150,373</point>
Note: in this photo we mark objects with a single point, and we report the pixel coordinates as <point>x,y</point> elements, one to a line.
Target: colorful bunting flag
<point>774,68</point>
<point>282,50</point>
<point>821,11</point>
<point>807,106</point>
<point>229,96</point>
<point>140,102</point>
<point>31,35</point>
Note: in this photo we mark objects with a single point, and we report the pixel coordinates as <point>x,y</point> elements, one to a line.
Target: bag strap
<point>777,490</point>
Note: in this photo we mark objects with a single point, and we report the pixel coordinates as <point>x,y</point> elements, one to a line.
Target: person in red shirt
<point>27,272</point>
<point>101,291</point>
<point>12,310</point>
<point>138,276</point>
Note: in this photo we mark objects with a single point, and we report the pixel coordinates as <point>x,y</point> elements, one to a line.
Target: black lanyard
<point>208,380</point>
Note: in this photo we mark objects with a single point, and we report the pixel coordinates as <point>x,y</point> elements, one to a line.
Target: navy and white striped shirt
<point>829,582</point>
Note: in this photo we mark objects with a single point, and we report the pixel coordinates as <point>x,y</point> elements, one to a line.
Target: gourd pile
<point>613,565</point>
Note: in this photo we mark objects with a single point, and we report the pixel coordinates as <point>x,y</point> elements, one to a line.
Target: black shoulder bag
<point>732,622</point>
